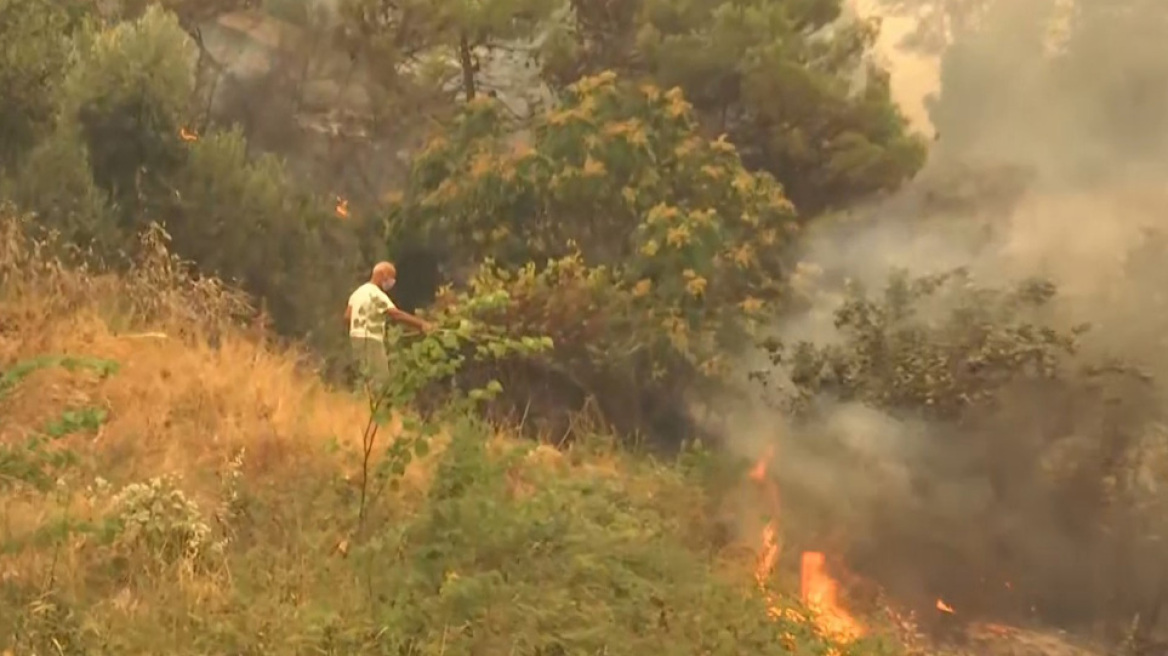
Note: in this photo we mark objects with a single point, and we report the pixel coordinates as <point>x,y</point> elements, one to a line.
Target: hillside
<point>174,483</point>
<point>171,480</point>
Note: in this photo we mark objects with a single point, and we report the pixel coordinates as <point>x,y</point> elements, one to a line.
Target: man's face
<point>388,282</point>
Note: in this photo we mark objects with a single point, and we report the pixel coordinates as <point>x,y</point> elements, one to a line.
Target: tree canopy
<point>790,83</point>
<point>610,211</point>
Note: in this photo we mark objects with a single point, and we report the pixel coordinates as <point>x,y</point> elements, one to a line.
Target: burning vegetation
<point>818,591</point>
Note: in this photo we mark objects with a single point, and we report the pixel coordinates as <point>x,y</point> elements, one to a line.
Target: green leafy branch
<point>418,365</point>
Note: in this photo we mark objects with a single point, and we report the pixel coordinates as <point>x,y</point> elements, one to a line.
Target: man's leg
<point>371,362</point>
<point>378,363</point>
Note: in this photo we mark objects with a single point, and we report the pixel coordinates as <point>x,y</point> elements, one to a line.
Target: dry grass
<point>198,381</point>
<point>197,378</point>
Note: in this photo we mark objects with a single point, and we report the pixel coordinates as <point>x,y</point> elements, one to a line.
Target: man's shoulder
<point>371,294</point>
<point>382,298</point>
<point>360,294</point>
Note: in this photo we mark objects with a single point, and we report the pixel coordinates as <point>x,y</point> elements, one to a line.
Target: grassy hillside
<point>171,482</point>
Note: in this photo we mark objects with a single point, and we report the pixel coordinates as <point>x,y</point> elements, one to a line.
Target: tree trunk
<point>466,61</point>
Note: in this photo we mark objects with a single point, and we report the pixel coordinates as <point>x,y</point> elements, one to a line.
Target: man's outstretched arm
<point>402,316</point>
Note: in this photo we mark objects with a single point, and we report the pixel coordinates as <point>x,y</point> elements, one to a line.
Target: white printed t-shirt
<point>370,305</point>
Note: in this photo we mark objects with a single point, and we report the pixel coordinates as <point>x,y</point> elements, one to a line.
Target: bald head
<point>384,275</point>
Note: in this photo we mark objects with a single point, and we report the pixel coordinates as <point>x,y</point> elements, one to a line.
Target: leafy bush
<point>125,100</point>
<point>937,345</point>
<point>157,517</point>
<point>646,252</point>
<point>422,369</point>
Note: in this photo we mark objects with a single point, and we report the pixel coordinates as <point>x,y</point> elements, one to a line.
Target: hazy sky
<point>913,76</point>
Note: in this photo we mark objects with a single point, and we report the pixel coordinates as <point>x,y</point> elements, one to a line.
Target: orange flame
<point>819,591</point>
<point>944,607</point>
<point>188,135</point>
<point>342,208</point>
<point>821,594</point>
<point>759,471</point>
<point>769,555</point>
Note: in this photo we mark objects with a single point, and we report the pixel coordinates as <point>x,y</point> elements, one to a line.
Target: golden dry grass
<point>198,378</point>
<point>194,384</point>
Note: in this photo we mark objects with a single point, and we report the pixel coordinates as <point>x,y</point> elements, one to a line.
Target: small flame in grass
<point>759,471</point>
<point>769,555</point>
<point>819,590</point>
<point>342,208</point>
<point>188,135</point>
<point>944,607</point>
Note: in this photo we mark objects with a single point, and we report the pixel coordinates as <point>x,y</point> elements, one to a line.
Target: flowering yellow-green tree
<point>646,251</point>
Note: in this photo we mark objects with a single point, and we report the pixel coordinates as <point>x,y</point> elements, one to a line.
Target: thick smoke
<point>1052,163</point>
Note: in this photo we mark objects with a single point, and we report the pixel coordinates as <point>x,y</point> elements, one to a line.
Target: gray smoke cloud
<point>1040,171</point>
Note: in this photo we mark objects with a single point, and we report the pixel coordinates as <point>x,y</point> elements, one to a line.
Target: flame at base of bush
<point>818,590</point>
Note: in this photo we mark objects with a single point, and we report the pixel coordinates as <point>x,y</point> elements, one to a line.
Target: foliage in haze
<point>95,119</point>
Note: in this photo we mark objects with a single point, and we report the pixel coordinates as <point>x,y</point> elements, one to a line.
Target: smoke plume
<point>1052,163</point>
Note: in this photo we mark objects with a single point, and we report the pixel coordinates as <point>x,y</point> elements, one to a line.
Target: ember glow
<point>342,208</point>
<point>188,135</point>
<point>944,607</point>
<point>818,590</point>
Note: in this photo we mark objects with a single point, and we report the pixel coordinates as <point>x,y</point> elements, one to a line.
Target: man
<point>367,312</point>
